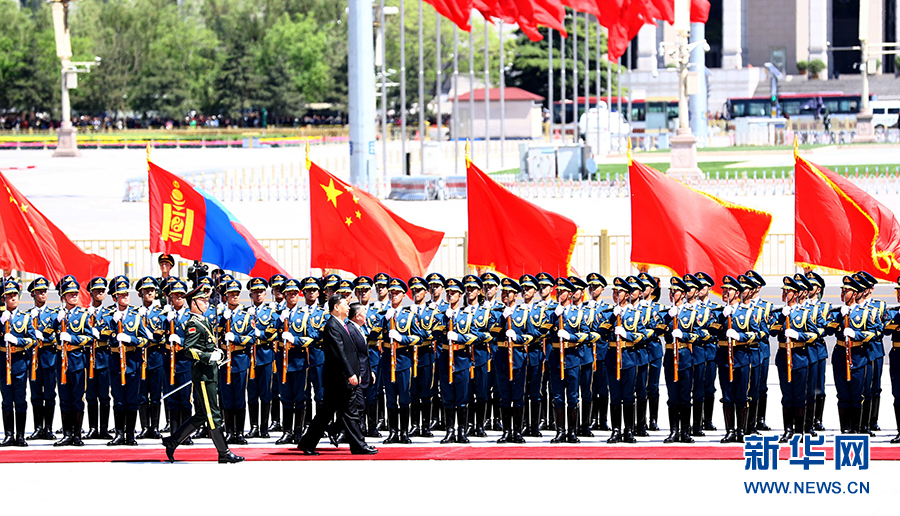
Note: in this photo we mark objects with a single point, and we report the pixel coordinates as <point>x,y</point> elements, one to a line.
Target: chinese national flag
<point>513,236</point>
<point>30,242</point>
<point>839,226</point>
<point>353,231</point>
<point>689,231</point>
<point>457,11</point>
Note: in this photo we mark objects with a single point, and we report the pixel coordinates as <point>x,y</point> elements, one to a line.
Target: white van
<point>611,135</point>
<point>885,114</point>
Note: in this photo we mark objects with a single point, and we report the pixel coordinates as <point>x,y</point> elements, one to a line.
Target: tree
<point>29,70</point>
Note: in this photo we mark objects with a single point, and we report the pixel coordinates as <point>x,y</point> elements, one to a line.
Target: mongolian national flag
<point>839,226</point>
<point>353,231</point>
<point>511,235</point>
<point>30,242</point>
<point>191,223</point>
<point>689,231</point>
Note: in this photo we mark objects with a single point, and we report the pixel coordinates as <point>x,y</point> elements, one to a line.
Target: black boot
<point>77,420</point>
<point>584,429</point>
<point>183,417</point>
<point>788,414</point>
<point>808,413</point>
<point>300,417</point>
<point>518,418</point>
<point>254,420</point>
<point>449,422</point>
<point>93,421</point>
<point>104,423</point>
<point>496,424</point>
<point>415,411</point>
<point>167,413</point>
<point>225,455</point>
<point>640,425</point>
<point>371,420</point>
<point>855,418</point>
<point>67,429</point>
<point>709,403</point>
<point>119,421</point>
<point>264,411</point>
<point>20,429</point>
<point>895,440</point>
<point>697,428</point>
<point>426,419</point>
<point>873,415</point>
<point>864,417</point>
<point>287,436</point>
<point>48,422</point>
<point>153,432</point>
<point>844,418</point>
<point>534,414</point>
<point>730,434</point>
<point>615,412</point>
<point>462,423</point>
<point>239,420</point>
<point>437,414</point>
<point>479,419</point>
<point>654,414</point>
<point>628,414</point>
<point>130,422</point>
<point>276,417</point>
<point>752,410</point>
<point>382,419</point>
<point>594,425</point>
<point>507,425</point>
<point>601,404</point>
<point>800,421</point>
<point>144,413</point>
<point>37,408</point>
<point>178,436</point>
<point>404,426</point>
<point>9,428</point>
<point>685,413</point>
<point>542,415</point>
<point>761,413</point>
<point>820,410</point>
<point>394,426</point>
<point>571,424</point>
<point>560,414</point>
<point>674,422</point>
<point>741,423</point>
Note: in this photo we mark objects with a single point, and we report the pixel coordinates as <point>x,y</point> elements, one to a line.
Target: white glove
<point>564,335</point>
<point>4,317</point>
<point>620,331</point>
<point>174,339</point>
<point>591,303</point>
<point>728,310</point>
<point>220,308</point>
<point>251,311</point>
<point>395,335</point>
<point>559,310</point>
<point>142,311</point>
<point>65,337</point>
<point>273,305</point>
<point>452,336</point>
<point>229,337</point>
<point>845,310</point>
<point>155,302</point>
<point>449,313</point>
<point>432,305</point>
<point>732,334</point>
<point>791,334</point>
<point>617,310</point>
<point>258,333</point>
<point>216,356</point>
<point>227,313</point>
<point>91,310</point>
<point>170,316</point>
<point>507,312</point>
<point>677,334</point>
<point>511,334</point>
<point>850,333</point>
<point>673,311</point>
<point>786,311</point>
<point>283,316</point>
<point>487,305</point>
<point>288,337</point>
<point>60,316</point>
<point>123,338</point>
<point>10,339</point>
<point>35,312</point>
<point>117,316</point>
<point>389,314</point>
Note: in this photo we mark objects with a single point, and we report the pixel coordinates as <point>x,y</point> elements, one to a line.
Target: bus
<point>661,111</point>
<point>797,106</point>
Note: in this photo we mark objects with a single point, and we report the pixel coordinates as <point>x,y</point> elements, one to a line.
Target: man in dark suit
<point>341,381</point>
<point>356,324</point>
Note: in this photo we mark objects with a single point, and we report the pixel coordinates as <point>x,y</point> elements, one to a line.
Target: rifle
<point>618,349</point>
<point>848,348</point>
<point>37,349</point>
<point>790,361</point>
<point>228,346</point>
<point>287,348</point>
<point>509,348</point>
<point>450,348</point>
<point>92,357</point>
<point>393,351</point>
<point>64,369</point>
<point>8,355</point>
<point>172,354</point>
<point>730,355</point>
<point>144,353</point>
<point>562,349</point>
<point>675,346</point>
<point>121,355</point>
<point>253,350</point>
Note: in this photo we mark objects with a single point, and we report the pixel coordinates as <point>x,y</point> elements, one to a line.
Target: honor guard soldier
<point>315,385</point>
<point>854,326</point>
<point>491,302</point>
<point>152,321</point>
<point>650,297</point>
<point>177,365</point>
<point>711,346</point>
<point>345,289</point>
<point>892,328</point>
<point>737,328</point>
<point>264,320</point>
<point>586,352</point>
<point>546,284</point>
<point>818,352</point>
<point>539,323</point>
<point>19,338</point>
<point>651,321</point>
<point>166,263</point>
<point>43,367</point>
<point>436,285</point>
<point>300,328</point>
<point>681,334</point>
<point>201,347</point>
<point>759,383</point>
<point>330,283</point>
<point>363,289</point>
<point>127,330</point>
<point>816,323</point>
<point>599,384</point>
<point>275,283</point>
<point>511,360</point>
<point>74,332</point>
<point>382,300</point>
<point>422,382</point>
<point>872,402</point>
<point>698,350</point>
<point>97,391</point>
<point>238,334</point>
<point>454,363</point>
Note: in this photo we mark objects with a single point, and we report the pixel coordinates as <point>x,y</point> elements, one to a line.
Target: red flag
<point>689,231</point>
<point>511,235</point>
<point>457,11</point>
<point>353,231</point>
<point>840,226</point>
<point>699,11</point>
<point>30,242</point>
<point>627,26</point>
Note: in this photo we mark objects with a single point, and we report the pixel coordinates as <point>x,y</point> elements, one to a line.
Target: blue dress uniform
<point>795,327</point>
<point>492,403</point>
<point>586,353</point>
<point>236,326</point>
<point>126,328</point>
<point>487,320</point>
<point>816,323</point>
<point>711,347</point>
<point>97,390</point>
<point>510,361</point>
<point>680,336</point>
<point>301,327</point>
<point>759,392</point>
<point>737,327</point>
<point>179,403</point>
<point>43,367</point>
<point>624,327</point>
<point>655,354</point>
<point>698,352</point>
<point>872,401</point>
<point>276,282</point>
<point>264,321</point>
<point>546,284</point>
<point>74,332</point>
<point>539,323</point>
<point>437,285</point>
<point>152,372</point>
<point>18,338</point>
<point>818,354</point>
<point>315,355</point>
<point>422,382</point>
<point>374,392</point>
<point>599,384</point>
<point>854,326</point>
<point>892,328</point>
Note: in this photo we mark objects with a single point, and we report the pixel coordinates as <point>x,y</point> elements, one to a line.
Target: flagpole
<point>384,129</point>
<point>575,75</point>
<point>608,100</point>
<point>454,129</point>
<point>403,90</point>
<point>562,86</point>
<point>487,100</point>
<point>439,76</point>
<point>421,92</point>
<point>471,79</point>
<point>550,82</point>
<point>618,102</point>
<point>502,100</point>
<point>587,72</point>
<point>597,86</point>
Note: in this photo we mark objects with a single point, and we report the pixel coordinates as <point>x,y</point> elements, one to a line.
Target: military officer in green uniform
<point>200,346</point>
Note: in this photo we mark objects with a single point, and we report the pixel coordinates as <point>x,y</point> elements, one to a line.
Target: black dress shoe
<point>306,451</point>
<point>368,450</point>
<point>229,458</point>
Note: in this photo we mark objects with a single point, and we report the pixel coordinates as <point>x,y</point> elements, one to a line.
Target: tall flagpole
<point>403,90</point>
<point>562,86</point>
<point>502,100</point>
<point>587,72</point>
<point>361,91</point>
<point>487,100</point>
<point>384,124</point>
<point>438,84</point>
<point>454,129</point>
<point>471,81</point>
<point>597,86</point>
<point>421,92</point>
<point>575,76</point>
<point>550,82</point>
<point>618,102</point>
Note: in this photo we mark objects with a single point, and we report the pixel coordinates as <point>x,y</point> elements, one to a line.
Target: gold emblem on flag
<point>178,221</point>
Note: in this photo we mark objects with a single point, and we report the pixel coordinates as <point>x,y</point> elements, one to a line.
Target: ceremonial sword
<point>189,382</point>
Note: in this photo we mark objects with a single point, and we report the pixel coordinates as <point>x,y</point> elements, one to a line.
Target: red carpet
<point>256,453</point>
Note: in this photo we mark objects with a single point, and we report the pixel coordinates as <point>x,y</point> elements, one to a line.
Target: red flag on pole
<point>511,235</point>
<point>457,11</point>
<point>687,231</point>
<point>840,226</point>
<point>355,232</point>
<point>30,242</point>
